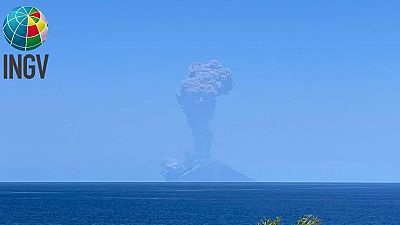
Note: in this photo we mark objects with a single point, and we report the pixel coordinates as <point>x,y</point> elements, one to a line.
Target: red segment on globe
<point>36,14</point>
<point>32,31</point>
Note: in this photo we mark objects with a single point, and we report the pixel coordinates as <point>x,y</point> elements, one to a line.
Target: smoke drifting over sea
<point>197,97</point>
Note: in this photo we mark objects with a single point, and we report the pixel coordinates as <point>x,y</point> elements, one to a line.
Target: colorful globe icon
<point>25,28</point>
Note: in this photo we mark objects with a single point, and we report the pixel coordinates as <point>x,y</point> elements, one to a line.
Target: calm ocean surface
<point>196,203</point>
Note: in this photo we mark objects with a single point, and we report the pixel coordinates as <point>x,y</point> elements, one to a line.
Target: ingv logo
<point>25,28</point>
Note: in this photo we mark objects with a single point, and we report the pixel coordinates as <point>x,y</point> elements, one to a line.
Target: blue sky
<point>315,94</point>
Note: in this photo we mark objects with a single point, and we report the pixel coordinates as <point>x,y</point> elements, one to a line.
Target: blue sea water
<point>196,203</point>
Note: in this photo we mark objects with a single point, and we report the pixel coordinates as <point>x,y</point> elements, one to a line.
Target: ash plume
<point>197,98</point>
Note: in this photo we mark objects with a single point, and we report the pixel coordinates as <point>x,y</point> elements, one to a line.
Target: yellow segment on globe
<point>30,21</point>
<point>41,25</point>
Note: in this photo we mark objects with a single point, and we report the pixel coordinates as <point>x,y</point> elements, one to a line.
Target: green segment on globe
<point>25,28</point>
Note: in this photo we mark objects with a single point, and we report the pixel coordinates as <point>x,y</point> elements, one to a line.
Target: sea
<point>197,203</point>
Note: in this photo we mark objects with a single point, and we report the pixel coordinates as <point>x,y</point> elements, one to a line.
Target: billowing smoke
<point>197,98</point>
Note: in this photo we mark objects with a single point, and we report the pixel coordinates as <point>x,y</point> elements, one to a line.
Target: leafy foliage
<point>305,220</point>
<point>309,220</point>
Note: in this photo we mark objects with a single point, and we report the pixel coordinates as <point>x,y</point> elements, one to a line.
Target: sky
<point>315,95</point>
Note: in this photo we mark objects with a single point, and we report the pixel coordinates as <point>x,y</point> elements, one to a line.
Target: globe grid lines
<point>25,28</point>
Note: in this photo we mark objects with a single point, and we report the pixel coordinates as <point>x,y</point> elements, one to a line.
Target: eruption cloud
<point>197,98</point>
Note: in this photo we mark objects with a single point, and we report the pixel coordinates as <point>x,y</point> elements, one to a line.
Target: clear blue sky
<point>315,97</point>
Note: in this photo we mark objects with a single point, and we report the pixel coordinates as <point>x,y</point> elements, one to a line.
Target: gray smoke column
<point>197,98</point>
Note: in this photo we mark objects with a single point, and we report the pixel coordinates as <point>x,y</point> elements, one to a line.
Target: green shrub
<point>309,220</point>
<point>305,220</point>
